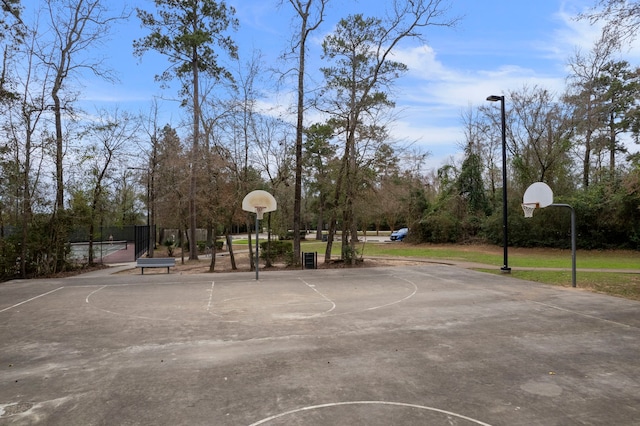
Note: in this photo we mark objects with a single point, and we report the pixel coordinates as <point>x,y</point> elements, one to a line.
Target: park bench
<point>155,262</point>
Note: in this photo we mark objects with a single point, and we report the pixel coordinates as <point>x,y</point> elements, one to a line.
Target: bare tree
<point>621,19</point>
<point>110,137</point>
<point>311,14</point>
<point>11,36</point>
<point>77,27</point>
<point>538,139</point>
<point>583,96</point>
<point>152,129</point>
<point>24,120</point>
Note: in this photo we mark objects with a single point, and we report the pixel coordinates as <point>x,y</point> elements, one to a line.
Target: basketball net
<point>260,212</point>
<point>529,208</point>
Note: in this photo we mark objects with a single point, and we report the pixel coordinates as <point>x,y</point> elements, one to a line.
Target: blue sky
<point>498,45</point>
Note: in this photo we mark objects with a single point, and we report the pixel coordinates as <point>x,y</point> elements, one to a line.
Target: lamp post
<point>495,98</point>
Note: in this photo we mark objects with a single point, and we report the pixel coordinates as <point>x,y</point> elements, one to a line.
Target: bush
<point>170,245</point>
<point>289,235</point>
<point>437,228</point>
<point>276,250</point>
<point>203,247</point>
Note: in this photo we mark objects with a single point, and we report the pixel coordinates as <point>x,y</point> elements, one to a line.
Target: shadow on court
<point>427,345</point>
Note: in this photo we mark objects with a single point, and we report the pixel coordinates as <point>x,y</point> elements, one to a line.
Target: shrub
<point>438,228</point>
<point>170,245</point>
<point>276,250</point>
<point>289,235</point>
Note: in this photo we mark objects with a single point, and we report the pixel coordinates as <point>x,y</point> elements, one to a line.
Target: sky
<point>496,46</point>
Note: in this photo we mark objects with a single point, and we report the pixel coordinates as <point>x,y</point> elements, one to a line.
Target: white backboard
<point>538,193</point>
<point>259,198</point>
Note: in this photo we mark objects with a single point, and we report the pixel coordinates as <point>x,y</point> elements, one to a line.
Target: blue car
<point>399,234</point>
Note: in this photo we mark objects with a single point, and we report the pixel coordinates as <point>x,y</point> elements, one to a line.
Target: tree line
<point>64,168</point>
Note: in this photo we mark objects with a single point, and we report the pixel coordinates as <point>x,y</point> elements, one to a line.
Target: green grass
<point>620,284</point>
<point>490,255</point>
<point>530,258</point>
<point>613,283</point>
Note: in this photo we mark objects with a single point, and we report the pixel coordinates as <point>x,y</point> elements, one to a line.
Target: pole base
<point>505,270</point>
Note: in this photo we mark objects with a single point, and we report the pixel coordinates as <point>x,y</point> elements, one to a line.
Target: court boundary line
<point>29,300</point>
<point>570,311</point>
<point>338,404</point>
<point>313,287</point>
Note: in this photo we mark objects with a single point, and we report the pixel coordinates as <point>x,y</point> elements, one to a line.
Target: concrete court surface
<point>425,345</point>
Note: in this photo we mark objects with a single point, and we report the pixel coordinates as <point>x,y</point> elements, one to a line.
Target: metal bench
<point>155,262</point>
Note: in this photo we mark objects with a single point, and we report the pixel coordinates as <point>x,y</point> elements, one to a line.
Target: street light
<point>495,98</point>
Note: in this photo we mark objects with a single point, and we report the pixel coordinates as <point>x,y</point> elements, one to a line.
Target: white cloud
<point>422,62</point>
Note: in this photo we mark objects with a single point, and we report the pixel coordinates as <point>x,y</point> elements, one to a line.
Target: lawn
<point>620,284</point>
<point>490,255</point>
<point>518,257</point>
<point>617,283</point>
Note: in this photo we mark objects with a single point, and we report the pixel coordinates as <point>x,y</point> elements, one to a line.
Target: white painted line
<point>395,302</point>
<point>92,293</point>
<point>210,296</point>
<point>312,287</point>
<point>415,290</point>
<point>399,404</point>
<point>583,315</point>
<point>118,313</point>
<point>29,300</point>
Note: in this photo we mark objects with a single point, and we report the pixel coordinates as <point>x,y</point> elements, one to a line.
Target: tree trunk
<point>232,257</point>
<point>320,224</point>
<point>214,250</point>
<point>152,200</point>
<point>297,202</point>
<point>268,260</point>
<point>181,238</point>
<point>586,161</point>
<point>251,254</point>
<point>336,202</point>
<point>58,235</point>
<point>612,148</point>
<point>193,223</point>
<point>26,208</point>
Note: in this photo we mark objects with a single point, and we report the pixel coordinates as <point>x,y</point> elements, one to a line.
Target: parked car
<point>400,234</point>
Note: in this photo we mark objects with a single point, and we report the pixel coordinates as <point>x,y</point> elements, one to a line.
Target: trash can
<point>310,260</point>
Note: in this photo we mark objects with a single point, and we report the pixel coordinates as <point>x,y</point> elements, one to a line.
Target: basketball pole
<point>257,245</point>
<point>573,241</point>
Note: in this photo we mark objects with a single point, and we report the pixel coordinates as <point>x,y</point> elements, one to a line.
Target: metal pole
<point>149,248</point>
<point>257,246</point>
<point>505,241</point>
<point>573,241</point>
<point>573,247</point>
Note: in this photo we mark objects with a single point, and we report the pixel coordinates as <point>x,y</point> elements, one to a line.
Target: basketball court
<point>423,345</point>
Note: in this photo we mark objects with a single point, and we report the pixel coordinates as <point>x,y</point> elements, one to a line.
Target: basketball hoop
<point>537,196</point>
<point>259,202</point>
<point>528,209</point>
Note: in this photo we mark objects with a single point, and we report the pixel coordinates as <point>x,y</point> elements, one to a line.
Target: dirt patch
<point>223,264</point>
